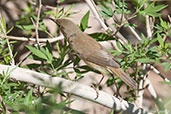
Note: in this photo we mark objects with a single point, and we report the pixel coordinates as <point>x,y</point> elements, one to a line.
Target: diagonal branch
<point>72,87</point>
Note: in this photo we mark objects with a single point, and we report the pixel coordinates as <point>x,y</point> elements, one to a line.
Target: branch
<point>158,72</point>
<point>121,19</point>
<point>142,85</point>
<point>94,9</point>
<point>8,43</point>
<point>72,87</point>
<point>51,40</point>
<point>37,21</point>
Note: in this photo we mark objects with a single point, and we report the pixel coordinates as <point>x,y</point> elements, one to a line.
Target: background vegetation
<point>137,56</point>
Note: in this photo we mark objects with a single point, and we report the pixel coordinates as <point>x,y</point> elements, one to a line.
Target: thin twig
<point>3,105</point>
<point>122,16</point>
<point>169,18</point>
<point>158,72</point>
<point>50,40</point>
<point>149,35</point>
<point>141,87</point>
<point>124,20</point>
<point>150,89</point>
<point>9,46</point>
<point>148,28</point>
<point>134,33</point>
<point>149,32</point>
<point>37,21</point>
<point>93,7</point>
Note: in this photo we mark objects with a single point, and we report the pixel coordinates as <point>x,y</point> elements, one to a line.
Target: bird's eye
<point>59,25</point>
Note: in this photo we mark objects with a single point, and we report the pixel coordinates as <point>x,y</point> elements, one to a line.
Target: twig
<point>71,87</point>
<point>150,88</point>
<point>158,72</point>
<point>9,46</point>
<point>149,35</point>
<point>51,40</point>
<point>141,87</point>
<point>148,28</point>
<point>149,32</point>
<point>3,105</point>
<point>93,7</point>
<point>134,33</point>
<point>37,21</point>
<point>169,18</point>
<point>122,16</point>
<point>118,18</point>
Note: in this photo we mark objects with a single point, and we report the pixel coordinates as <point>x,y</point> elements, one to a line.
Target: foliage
<point>29,98</point>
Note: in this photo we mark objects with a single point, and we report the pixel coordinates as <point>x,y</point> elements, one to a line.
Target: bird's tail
<point>124,77</point>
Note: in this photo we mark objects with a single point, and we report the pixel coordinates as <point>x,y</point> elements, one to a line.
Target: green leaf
<point>99,36</point>
<point>153,40</point>
<point>159,7</point>
<point>104,15</point>
<point>160,40</point>
<point>3,25</point>
<point>37,52</point>
<point>10,29</point>
<point>84,21</point>
<point>49,51</point>
<point>169,83</point>
<point>115,52</point>
<point>119,45</point>
<point>167,65</point>
<point>49,12</point>
<point>106,12</point>
<point>29,98</point>
<point>25,27</point>
<point>76,61</point>
<point>163,23</point>
<point>153,10</point>
<point>69,8</point>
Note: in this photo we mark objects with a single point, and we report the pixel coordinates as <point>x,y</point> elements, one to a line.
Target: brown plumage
<point>90,51</point>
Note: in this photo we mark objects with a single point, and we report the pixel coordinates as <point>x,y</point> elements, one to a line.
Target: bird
<point>92,52</point>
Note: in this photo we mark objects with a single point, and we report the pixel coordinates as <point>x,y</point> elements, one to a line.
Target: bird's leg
<point>103,75</point>
<point>101,70</point>
<point>97,90</point>
<point>117,94</point>
<point>96,87</point>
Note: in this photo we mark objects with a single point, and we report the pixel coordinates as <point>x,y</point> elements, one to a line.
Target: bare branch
<point>93,7</point>
<point>51,40</point>
<point>37,21</point>
<point>158,72</point>
<point>72,87</point>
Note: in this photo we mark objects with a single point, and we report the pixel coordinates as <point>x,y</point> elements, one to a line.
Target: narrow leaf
<point>160,40</point>
<point>37,52</point>
<point>84,21</point>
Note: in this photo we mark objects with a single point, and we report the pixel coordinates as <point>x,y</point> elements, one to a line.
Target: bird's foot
<point>117,94</point>
<point>96,88</point>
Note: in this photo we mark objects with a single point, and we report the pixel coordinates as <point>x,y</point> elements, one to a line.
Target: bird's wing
<point>97,54</point>
<point>102,58</point>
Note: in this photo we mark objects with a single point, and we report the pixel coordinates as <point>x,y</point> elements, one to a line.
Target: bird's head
<point>67,27</point>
